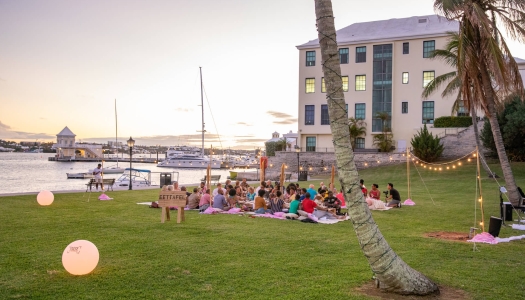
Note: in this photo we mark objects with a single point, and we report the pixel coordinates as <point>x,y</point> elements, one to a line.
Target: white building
<point>291,139</point>
<point>67,148</point>
<point>385,66</point>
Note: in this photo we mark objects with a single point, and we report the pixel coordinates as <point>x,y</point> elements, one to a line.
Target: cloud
<point>282,118</point>
<point>243,123</point>
<point>250,141</point>
<point>2,79</point>
<point>7,133</point>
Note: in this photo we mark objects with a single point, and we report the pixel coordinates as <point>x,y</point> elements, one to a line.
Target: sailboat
<point>113,169</point>
<point>190,157</point>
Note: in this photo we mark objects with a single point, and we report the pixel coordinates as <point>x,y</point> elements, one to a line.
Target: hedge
<point>442,122</point>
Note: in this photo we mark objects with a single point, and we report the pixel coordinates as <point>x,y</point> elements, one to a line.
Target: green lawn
<point>235,257</point>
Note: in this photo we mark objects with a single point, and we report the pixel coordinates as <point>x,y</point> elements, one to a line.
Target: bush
<point>512,125</point>
<point>427,146</point>
<point>270,148</point>
<point>452,122</point>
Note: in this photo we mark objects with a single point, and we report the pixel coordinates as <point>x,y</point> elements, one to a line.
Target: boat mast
<point>116,135</point>
<point>202,111</point>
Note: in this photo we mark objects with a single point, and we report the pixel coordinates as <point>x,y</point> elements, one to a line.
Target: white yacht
<point>139,177</point>
<point>188,157</point>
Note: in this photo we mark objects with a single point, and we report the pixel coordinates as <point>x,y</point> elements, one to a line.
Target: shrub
<point>512,125</point>
<point>427,146</point>
<point>452,122</point>
<point>270,148</point>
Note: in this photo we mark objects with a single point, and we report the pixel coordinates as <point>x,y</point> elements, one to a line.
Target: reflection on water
<point>32,172</point>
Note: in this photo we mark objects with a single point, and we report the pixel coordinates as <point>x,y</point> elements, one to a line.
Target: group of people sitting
<point>373,197</point>
<point>295,201</point>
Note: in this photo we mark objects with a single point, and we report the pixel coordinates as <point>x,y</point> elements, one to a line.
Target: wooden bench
<point>213,178</point>
<point>108,183</point>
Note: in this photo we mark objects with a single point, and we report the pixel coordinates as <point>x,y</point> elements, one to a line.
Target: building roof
<point>393,29</point>
<point>288,140</point>
<point>66,132</point>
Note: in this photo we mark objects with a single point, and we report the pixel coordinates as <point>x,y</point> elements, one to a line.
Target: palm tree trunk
<point>392,272</point>
<point>510,183</point>
<point>478,142</point>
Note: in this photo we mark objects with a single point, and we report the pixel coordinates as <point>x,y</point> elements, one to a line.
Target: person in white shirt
<point>216,190</point>
<point>98,176</point>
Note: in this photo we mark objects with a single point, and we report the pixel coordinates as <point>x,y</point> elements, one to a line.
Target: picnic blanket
<point>487,238</point>
<point>518,226</point>
<point>378,205</point>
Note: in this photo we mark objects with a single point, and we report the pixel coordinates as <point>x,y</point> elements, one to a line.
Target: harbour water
<point>32,172</point>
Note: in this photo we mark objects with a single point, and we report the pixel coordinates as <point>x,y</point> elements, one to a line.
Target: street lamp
<point>131,143</point>
<point>297,150</point>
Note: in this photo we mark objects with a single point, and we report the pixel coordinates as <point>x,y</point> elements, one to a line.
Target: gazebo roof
<point>66,132</point>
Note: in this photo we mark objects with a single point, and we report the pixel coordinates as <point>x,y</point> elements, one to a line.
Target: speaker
<point>506,211</point>
<point>495,226</point>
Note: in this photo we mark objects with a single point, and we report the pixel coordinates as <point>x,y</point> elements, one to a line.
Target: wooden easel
<point>172,198</point>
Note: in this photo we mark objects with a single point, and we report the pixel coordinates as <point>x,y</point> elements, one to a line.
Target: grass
<point>232,257</point>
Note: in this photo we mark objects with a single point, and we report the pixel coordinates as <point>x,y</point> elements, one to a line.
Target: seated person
<point>276,203</point>
<point>244,184</point>
<point>341,197</point>
<point>205,201</point>
<point>375,193</point>
<point>303,194</point>
<point>394,197</point>
<point>308,206</point>
<point>292,211</point>
<point>216,190</point>
<point>193,199</point>
<point>250,196</point>
<point>363,187</point>
<point>260,204</point>
<point>332,202</point>
<point>232,198</point>
<point>219,202</point>
<point>176,186</point>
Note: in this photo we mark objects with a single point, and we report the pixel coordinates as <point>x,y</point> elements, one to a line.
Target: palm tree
<point>485,65</point>
<point>357,128</point>
<point>392,272</point>
<point>450,56</point>
<point>384,140</point>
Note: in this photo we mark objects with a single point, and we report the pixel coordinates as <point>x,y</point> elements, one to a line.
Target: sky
<point>63,63</point>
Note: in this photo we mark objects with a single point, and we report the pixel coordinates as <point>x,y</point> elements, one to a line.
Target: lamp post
<point>131,143</point>
<point>297,150</point>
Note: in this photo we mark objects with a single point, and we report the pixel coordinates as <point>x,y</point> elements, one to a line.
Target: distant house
<point>68,148</point>
<point>291,139</point>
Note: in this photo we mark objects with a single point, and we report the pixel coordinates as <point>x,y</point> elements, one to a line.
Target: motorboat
<point>139,177</point>
<point>188,157</point>
<point>110,170</point>
<point>80,175</point>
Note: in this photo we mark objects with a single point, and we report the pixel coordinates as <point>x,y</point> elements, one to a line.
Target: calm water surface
<point>32,172</point>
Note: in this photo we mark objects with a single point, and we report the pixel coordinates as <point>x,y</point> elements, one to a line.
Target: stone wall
<point>321,162</point>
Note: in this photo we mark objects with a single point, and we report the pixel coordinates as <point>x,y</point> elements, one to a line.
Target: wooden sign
<point>172,198</point>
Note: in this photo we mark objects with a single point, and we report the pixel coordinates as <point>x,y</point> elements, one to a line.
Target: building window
<point>310,85</point>
<point>406,48</point>
<point>323,86</point>
<point>360,54</point>
<point>343,55</point>
<point>428,48</point>
<point>310,143</point>
<point>360,143</point>
<point>461,108</point>
<point>404,107</point>
<point>345,83</point>
<point>360,111</point>
<point>428,76</point>
<point>360,82</point>
<point>405,77</point>
<point>381,85</point>
<point>325,119</point>
<point>428,112</point>
<point>310,58</point>
<point>309,114</point>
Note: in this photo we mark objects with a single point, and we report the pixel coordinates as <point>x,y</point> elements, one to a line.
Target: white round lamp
<point>80,257</point>
<point>45,198</point>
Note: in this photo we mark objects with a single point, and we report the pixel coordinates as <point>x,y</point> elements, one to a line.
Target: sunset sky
<point>64,62</point>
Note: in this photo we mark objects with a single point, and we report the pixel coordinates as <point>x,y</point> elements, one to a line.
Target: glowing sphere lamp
<point>45,198</point>
<point>80,257</point>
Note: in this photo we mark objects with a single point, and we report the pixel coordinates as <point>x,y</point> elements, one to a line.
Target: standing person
<point>395,198</point>
<point>98,176</point>
<point>205,201</point>
<point>193,199</point>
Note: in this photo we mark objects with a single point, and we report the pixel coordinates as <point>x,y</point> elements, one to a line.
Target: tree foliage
<point>448,121</point>
<point>427,146</point>
<point>512,125</point>
<point>357,128</point>
<point>384,141</point>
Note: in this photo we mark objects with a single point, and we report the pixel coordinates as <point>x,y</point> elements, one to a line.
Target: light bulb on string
<point>453,167</point>
<point>440,169</point>
<point>459,163</point>
<point>468,159</point>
